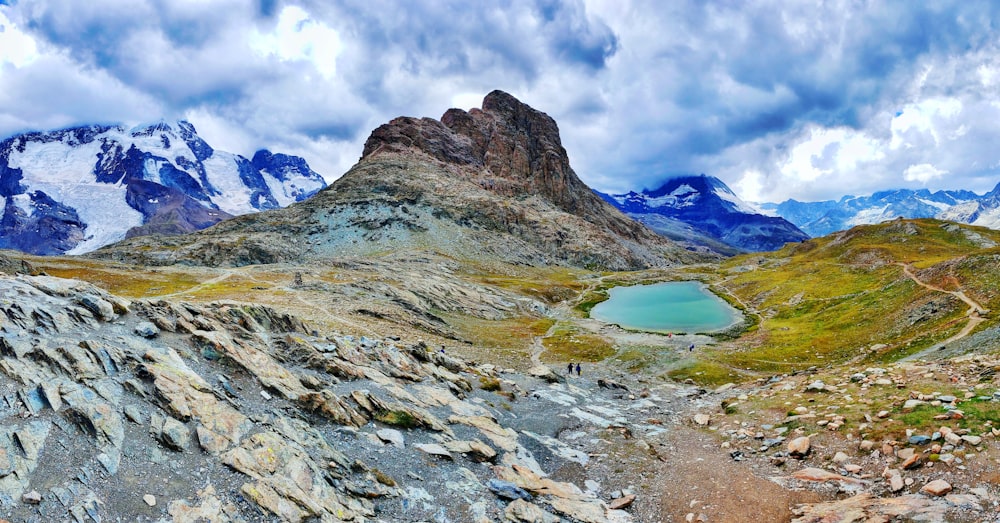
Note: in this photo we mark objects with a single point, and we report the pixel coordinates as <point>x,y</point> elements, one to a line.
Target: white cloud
<point>297,36</point>
<point>16,48</point>
<point>777,99</point>
<point>923,173</point>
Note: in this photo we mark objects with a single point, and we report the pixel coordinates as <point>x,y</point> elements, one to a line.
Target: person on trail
<point>577,369</point>
<point>569,368</point>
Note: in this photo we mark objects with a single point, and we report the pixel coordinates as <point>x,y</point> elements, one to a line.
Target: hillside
<point>857,296</point>
<point>376,325</point>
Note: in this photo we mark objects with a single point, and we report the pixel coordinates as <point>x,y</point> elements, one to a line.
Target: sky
<point>810,100</point>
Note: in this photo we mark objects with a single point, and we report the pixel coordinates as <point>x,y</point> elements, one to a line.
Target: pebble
<point>702,419</point>
<point>622,502</point>
<point>938,487</point>
<point>895,482</point>
<point>912,462</point>
<point>32,498</point>
<point>150,500</point>
<point>975,441</point>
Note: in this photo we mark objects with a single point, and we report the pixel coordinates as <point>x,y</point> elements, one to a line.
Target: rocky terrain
<point>167,409</point>
<point>151,410</point>
<point>489,185</point>
<point>395,349</point>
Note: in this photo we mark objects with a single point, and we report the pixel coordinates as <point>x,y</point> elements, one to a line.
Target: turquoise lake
<point>666,307</point>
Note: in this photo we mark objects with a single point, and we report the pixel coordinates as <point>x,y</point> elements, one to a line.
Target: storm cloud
<point>810,100</point>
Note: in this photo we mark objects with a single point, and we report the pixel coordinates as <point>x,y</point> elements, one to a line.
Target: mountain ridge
<point>828,216</point>
<point>711,208</point>
<point>76,189</point>
<point>491,183</point>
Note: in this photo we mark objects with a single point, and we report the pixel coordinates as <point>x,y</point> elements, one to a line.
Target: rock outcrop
<point>156,410</point>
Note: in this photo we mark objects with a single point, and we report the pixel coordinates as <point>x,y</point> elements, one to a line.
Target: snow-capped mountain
<point>709,207</point>
<point>74,190</point>
<point>825,217</point>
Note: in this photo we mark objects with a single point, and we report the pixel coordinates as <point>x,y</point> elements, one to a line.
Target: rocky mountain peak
<point>490,184</point>
<point>507,148</point>
<point>516,148</point>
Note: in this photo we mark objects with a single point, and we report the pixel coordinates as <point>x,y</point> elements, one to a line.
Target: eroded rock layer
<point>111,409</point>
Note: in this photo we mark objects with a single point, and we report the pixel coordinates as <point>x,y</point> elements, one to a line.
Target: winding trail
<point>974,313</point>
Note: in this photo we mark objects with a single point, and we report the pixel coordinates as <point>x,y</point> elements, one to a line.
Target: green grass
<point>828,300</point>
<point>706,373</point>
<point>489,384</point>
<point>398,418</point>
<point>568,342</point>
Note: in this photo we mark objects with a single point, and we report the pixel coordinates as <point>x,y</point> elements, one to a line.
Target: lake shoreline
<point>668,308</point>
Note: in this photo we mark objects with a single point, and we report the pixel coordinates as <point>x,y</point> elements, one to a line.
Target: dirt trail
<point>975,310</point>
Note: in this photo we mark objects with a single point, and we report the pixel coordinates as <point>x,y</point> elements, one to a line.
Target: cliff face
<point>491,184</point>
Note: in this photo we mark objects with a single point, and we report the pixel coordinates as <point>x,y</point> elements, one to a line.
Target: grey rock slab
<point>391,436</point>
<point>434,450</point>
<point>507,490</point>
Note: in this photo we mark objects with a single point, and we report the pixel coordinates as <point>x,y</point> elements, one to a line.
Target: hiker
<point>569,368</point>
<point>577,369</point>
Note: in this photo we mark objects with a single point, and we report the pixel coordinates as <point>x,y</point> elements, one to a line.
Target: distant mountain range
<point>702,209</point>
<point>74,190</point>
<point>825,217</point>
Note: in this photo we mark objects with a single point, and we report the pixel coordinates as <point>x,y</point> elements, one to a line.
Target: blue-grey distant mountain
<point>825,217</point>
<point>704,210</point>
<point>75,190</point>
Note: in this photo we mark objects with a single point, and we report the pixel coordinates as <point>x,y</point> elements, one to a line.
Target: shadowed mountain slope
<point>709,207</point>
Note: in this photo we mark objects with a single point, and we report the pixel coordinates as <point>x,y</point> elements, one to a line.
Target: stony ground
<point>117,410</point>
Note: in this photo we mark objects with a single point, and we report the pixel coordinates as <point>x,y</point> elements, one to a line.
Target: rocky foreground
<point>113,410</point>
<point>914,441</point>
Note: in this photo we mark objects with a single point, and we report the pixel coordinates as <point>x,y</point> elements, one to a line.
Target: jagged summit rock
<point>489,184</point>
<point>75,190</point>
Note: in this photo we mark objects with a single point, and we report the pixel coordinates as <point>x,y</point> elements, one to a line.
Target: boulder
<point>622,502</point>
<point>434,449</point>
<point>146,329</point>
<point>799,447</point>
<point>391,436</point>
